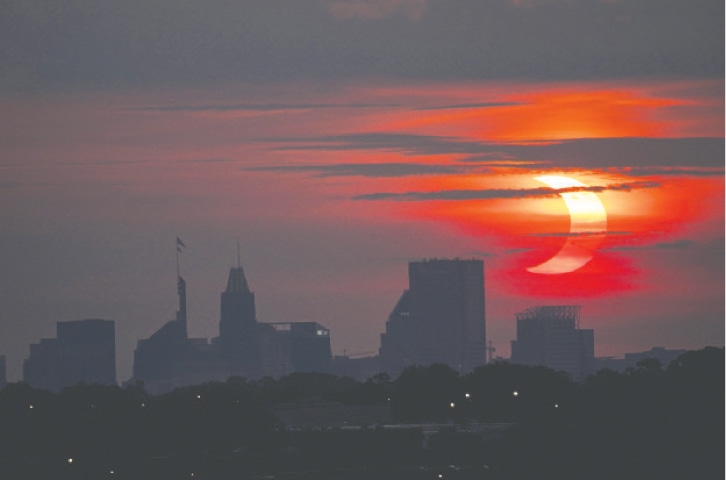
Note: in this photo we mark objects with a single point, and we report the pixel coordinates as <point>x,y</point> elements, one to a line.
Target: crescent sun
<point>588,225</point>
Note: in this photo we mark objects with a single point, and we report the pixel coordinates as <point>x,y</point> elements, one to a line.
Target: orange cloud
<point>516,113</point>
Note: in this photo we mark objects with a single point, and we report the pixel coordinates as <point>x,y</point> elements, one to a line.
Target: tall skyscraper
<point>237,306</point>
<point>239,332</point>
<point>439,319</point>
<point>83,351</point>
<point>551,336</point>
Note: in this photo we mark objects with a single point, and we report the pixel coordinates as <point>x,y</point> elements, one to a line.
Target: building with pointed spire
<point>252,349</point>
<point>237,307</point>
<point>239,333</point>
<point>245,347</point>
<point>169,359</point>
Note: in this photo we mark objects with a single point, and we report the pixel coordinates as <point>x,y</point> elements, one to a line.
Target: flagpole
<point>177,256</point>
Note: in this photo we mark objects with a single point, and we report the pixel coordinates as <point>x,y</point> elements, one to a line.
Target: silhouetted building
<point>83,351</point>
<point>439,319</point>
<point>168,359</point>
<point>252,349</point>
<point>239,333</point>
<point>551,336</point>
<point>3,372</point>
<point>305,347</point>
<point>244,347</point>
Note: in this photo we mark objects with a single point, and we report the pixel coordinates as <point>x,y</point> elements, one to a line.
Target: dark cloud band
<point>494,194</point>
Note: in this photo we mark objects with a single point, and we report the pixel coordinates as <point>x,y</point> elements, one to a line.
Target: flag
<point>179,244</point>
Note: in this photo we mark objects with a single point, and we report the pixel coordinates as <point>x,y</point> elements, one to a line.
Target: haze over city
<point>336,141</point>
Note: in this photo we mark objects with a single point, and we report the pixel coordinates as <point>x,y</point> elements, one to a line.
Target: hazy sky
<point>338,140</point>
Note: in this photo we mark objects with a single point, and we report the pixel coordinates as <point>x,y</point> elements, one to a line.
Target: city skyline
<point>237,280</point>
<point>338,140</point>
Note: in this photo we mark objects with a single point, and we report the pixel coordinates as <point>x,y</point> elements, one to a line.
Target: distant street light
<point>515,393</point>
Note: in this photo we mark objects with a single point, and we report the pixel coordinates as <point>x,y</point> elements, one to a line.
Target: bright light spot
<point>70,460</point>
<point>584,206</point>
<point>199,397</point>
<point>557,181</point>
<point>30,407</point>
<point>452,404</point>
<point>467,395</point>
<point>515,393</point>
<point>556,405</point>
<point>441,476</point>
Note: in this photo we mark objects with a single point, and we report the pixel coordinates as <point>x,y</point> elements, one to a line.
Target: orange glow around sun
<point>552,112</point>
<point>529,231</point>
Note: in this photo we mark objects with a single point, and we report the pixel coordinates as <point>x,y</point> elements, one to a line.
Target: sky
<point>335,141</point>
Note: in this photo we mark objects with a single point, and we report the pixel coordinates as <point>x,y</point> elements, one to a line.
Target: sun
<point>588,225</point>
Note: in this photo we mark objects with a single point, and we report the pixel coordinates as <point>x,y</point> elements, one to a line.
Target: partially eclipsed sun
<point>588,225</point>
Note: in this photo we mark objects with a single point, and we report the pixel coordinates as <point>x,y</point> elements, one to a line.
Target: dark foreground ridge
<point>501,421</point>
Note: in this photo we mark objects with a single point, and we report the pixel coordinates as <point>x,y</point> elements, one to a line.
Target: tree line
<point>651,421</point>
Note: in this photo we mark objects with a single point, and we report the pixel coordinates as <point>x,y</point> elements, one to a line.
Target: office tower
<point>551,336</point>
<point>3,372</point>
<point>239,333</point>
<point>305,347</point>
<point>83,351</point>
<point>169,359</point>
<point>439,319</point>
<point>237,308</point>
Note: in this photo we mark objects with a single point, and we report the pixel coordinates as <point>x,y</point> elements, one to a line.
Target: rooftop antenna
<point>181,314</point>
<point>239,263</point>
<point>179,246</point>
